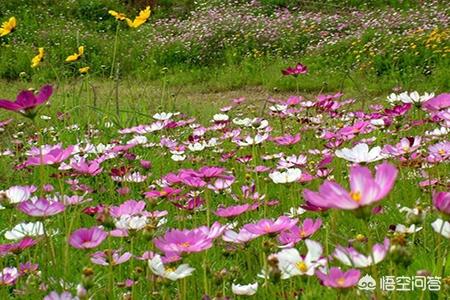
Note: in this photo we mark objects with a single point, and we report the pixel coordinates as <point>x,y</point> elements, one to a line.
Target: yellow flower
<point>84,70</point>
<point>119,16</point>
<point>141,19</point>
<point>8,26</point>
<point>76,56</point>
<point>35,61</point>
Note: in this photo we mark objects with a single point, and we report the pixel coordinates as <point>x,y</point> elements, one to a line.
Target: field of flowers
<point>121,193</point>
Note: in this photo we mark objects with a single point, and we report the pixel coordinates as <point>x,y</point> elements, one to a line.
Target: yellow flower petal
<point>8,26</point>
<point>35,61</point>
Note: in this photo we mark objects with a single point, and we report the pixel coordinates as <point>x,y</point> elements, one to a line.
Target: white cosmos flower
<point>442,227</point>
<point>157,267</point>
<point>131,222</point>
<point>258,139</point>
<point>162,116</point>
<point>361,153</point>
<point>287,176</point>
<point>414,97</point>
<point>221,117</point>
<point>178,157</point>
<point>291,263</point>
<point>248,290</point>
<point>25,229</point>
<point>438,131</point>
<point>197,146</point>
<point>278,107</point>
<point>17,194</point>
<point>400,228</point>
<point>243,122</point>
<point>138,139</point>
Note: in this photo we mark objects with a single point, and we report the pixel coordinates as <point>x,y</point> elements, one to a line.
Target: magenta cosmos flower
<point>63,296</point>
<point>18,247</point>
<point>299,232</point>
<point>110,257</point>
<point>85,167</point>
<point>365,189</point>
<point>266,226</point>
<point>287,140</point>
<point>232,211</point>
<point>439,102</point>
<point>295,71</point>
<point>41,207</point>
<point>195,240</point>
<point>54,155</point>
<point>336,278</point>
<point>87,238</point>
<point>27,101</point>
<point>9,276</point>
<point>441,201</point>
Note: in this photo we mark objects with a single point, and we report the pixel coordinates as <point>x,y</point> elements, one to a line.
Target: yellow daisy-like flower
<point>76,56</point>
<point>35,61</point>
<point>140,19</point>
<point>84,70</point>
<point>119,16</point>
<point>8,26</point>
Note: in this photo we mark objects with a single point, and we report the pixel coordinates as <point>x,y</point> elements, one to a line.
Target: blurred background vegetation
<point>226,55</point>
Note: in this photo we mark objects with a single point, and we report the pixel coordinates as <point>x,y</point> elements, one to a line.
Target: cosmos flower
<point>157,267</point>
<point>361,154</point>
<point>17,247</point>
<point>365,189</point>
<point>437,103</point>
<point>35,61</point>
<point>25,229</point>
<point>336,278</point>
<point>231,211</point>
<point>295,71</point>
<point>110,257</point>
<point>140,19</point>
<point>119,16</point>
<point>41,207</point>
<point>8,26</point>
<point>17,194</point>
<point>406,145</point>
<point>87,238</point>
<point>84,70</point>
<point>267,226</point>
<point>76,56</point>
<point>291,263</point>
<point>26,101</point>
<point>350,257</point>
<point>286,176</point>
<point>244,290</point>
<point>287,140</point>
<point>63,296</point>
<point>183,241</point>
<point>299,232</point>
<point>439,152</point>
<point>9,276</point>
<point>82,166</point>
<point>442,227</point>
<point>56,155</point>
<point>441,201</point>
<point>242,237</point>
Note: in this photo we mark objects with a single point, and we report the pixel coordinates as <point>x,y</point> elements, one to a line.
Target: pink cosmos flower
<point>267,226</point>
<point>299,232</point>
<point>350,257</point>
<point>41,207</point>
<point>232,211</point>
<point>165,192</point>
<point>439,102</point>
<point>63,296</point>
<point>27,101</point>
<point>295,71</point>
<point>439,152</point>
<point>28,268</point>
<point>365,189</point>
<point>406,145</point>
<point>18,247</point>
<point>130,208</point>
<point>336,278</point>
<point>87,238</point>
<point>287,140</point>
<point>441,201</point>
<point>86,168</point>
<point>241,237</point>
<point>9,276</point>
<point>187,241</point>
<point>56,155</point>
<point>108,257</point>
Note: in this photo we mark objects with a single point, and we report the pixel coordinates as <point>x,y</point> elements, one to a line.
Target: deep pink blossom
<point>299,232</point>
<point>27,101</point>
<point>267,226</point>
<point>295,71</point>
<point>232,211</point>
<point>87,238</point>
<point>441,201</point>
<point>55,155</point>
<point>336,278</point>
<point>41,207</point>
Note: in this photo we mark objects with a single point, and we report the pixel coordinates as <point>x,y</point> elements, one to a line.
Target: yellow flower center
<point>169,270</point>
<point>356,196</point>
<point>341,281</point>
<point>302,233</point>
<point>302,267</point>
<point>267,228</point>
<point>185,244</point>
<point>405,148</point>
<point>163,193</point>
<point>441,151</point>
